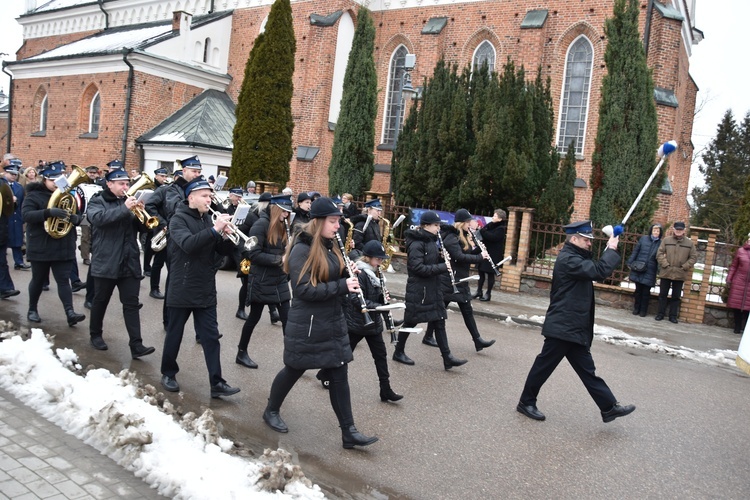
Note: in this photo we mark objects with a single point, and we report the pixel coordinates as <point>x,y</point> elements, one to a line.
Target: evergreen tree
<point>352,160</point>
<point>263,136</point>
<point>742,224</point>
<point>626,140</point>
<point>556,204</point>
<point>725,166</point>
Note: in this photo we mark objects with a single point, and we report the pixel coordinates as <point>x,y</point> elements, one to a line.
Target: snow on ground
<point>180,456</point>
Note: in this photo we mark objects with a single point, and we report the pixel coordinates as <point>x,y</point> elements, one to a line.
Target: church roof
<point>206,121</point>
<point>59,4</point>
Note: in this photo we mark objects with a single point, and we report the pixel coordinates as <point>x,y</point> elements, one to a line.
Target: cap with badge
<point>237,191</point>
<point>117,174</point>
<point>14,166</point>
<point>197,184</point>
<point>177,173</point>
<point>53,169</point>
<point>373,248</point>
<point>283,201</point>
<point>582,228</point>
<point>337,200</point>
<point>324,207</point>
<point>374,204</point>
<point>679,225</point>
<point>429,217</point>
<point>160,171</point>
<point>192,162</point>
<point>304,195</point>
<point>114,164</point>
<point>462,215</point>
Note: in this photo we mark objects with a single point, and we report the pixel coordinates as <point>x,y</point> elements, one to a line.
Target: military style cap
<point>582,228</point>
<point>283,201</point>
<point>197,184</point>
<point>177,173</point>
<point>92,168</point>
<point>192,162</point>
<point>324,207</point>
<point>236,191</point>
<point>211,178</point>
<point>114,164</point>
<point>53,170</point>
<point>337,200</point>
<point>374,204</point>
<point>160,171</point>
<point>117,174</point>
<point>304,195</point>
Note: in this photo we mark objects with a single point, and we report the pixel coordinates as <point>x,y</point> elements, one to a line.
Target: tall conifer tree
<point>626,140</point>
<point>352,161</point>
<point>263,133</point>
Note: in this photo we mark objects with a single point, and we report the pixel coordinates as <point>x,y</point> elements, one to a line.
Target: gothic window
<point>89,112</point>
<point>394,112</point>
<point>484,54</point>
<point>574,103</point>
<point>39,112</point>
<point>43,114</point>
<point>207,51</point>
<point>94,112</point>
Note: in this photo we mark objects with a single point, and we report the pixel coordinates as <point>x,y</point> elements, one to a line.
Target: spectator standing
<point>643,268</point>
<point>676,257</point>
<point>738,282</point>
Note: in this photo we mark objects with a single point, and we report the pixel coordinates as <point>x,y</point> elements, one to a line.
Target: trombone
<point>235,235</point>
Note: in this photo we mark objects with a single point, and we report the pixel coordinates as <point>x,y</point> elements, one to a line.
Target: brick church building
<point>151,81</point>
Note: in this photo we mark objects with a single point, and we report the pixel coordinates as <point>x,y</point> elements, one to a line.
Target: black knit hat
<point>324,207</point>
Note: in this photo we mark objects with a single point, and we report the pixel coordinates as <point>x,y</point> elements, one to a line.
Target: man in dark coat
<point>160,177</point>
<point>195,245</point>
<point>45,252</point>
<point>115,260</point>
<point>569,325</point>
<point>15,221</point>
<point>7,288</point>
<point>156,207</point>
<point>362,234</point>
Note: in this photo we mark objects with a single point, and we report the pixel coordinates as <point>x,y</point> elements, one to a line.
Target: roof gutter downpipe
<point>106,15</point>
<point>10,106</point>
<point>128,100</point>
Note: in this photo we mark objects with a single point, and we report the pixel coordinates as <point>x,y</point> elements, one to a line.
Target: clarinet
<point>447,259</point>
<point>483,248</point>
<point>288,232</point>
<point>390,324</point>
<point>348,264</point>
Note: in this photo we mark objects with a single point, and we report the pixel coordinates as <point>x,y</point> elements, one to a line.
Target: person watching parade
<point>676,257</point>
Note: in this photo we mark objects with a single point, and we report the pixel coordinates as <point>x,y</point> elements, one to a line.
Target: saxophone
<point>349,244</point>
<point>388,239</point>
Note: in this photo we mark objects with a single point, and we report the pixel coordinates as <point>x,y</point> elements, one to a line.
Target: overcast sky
<point>721,75</point>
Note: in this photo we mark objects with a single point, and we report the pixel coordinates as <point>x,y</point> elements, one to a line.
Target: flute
<point>447,259</point>
<point>348,264</point>
<point>483,248</point>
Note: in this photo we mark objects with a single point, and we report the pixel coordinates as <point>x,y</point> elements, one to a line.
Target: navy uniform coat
<point>15,221</point>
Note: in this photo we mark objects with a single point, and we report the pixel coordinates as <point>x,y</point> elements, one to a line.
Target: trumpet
<point>235,235</point>
<point>447,259</point>
<point>159,242</point>
<point>143,182</point>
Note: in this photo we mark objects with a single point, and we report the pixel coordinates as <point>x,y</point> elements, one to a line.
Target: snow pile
<point>137,427</point>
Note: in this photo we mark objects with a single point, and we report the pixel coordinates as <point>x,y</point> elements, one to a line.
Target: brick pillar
<point>517,242</point>
<point>693,306</point>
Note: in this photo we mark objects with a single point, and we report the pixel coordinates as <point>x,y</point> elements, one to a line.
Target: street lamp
<point>405,91</point>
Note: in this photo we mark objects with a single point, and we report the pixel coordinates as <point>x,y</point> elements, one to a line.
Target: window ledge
<point>89,135</point>
<point>385,147</point>
<point>39,133</point>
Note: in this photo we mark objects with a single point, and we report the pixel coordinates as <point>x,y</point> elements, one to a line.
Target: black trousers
<point>580,359</point>
<point>148,254</point>
<point>467,313</point>
<point>206,326</point>
<point>674,302</point>
<point>40,273</point>
<point>441,337</point>
<point>256,311</point>
<point>156,267</point>
<point>338,390</point>
<point>378,351</point>
<point>128,288</point>
<point>490,281</point>
<point>641,298</point>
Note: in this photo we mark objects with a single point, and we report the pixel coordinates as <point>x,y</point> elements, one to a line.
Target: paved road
<point>456,434</point>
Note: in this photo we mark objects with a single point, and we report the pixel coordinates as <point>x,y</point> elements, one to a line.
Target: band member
<point>463,254</point>
<point>493,237</point>
<point>362,234</point>
<point>45,252</point>
<point>115,260</point>
<point>7,288</point>
<point>315,335</point>
<point>302,212</point>
<point>371,283</point>
<point>160,177</point>
<point>85,247</point>
<point>235,196</point>
<point>15,221</point>
<point>157,207</point>
<point>195,245</point>
<point>569,324</point>
<point>267,282</point>
<point>424,295</point>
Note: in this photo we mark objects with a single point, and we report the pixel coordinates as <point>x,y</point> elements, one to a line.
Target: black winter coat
<point>371,233</point>
<point>4,220</point>
<point>461,261</point>
<point>493,236</point>
<point>424,296</point>
<point>316,335</point>
<point>373,293</point>
<point>174,196</point>
<point>40,246</point>
<point>194,253</point>
<point>114,237</point>
<point>645,251</point>
<point>570,315</point>
<point>267,282</point>
<point>156,206</point>
<point>300,217</point>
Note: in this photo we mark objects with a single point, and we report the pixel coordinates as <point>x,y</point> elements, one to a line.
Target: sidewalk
<point>39,460</point>
<point>524,308</point>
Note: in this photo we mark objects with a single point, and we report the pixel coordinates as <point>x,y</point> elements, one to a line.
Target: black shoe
<point>430,341</point>
<point>401,357</point>
<point>98,343</point>
<point>672,319</point>
<point>351,437</point>
<point>275,318</point>
<point>169,383</point>
<point>77,286</point>
<point>8,293</point>
<point>486,297</point>
<point>74,318</point>
<point>635,312</point>
<point>223,389</point>
<point>244,360</point>
<point>659,317</point>
<point>45,288</point>
<point>480,343</point>
<point>21,267</point>
<point>86,262</point>
<point>530,411</point>
<point>140,350</point>
<point>87,304</point>
<point>33,316</point>
<point>274,421</point>
<point>156,294</point>
<point>241,314</point>
<point>387,394</point>
<point>147,273</point>
<point>478,294</point>
<point>449,361</point>
<point>617,411</point>
<point>643,314</point>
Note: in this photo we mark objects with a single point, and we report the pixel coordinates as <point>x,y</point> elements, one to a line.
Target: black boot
<point>352,437</point>
<point>450,361</point>
<point>429,340</point>
<point>241,314</point>
<point>387,394</point>
<point>478,294</point>
<point>480,343</point>
<point>244,360</point>
<point>33,316</point>
<point>399,354</point>
<point>487,296</point>
<point>74,317</point>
